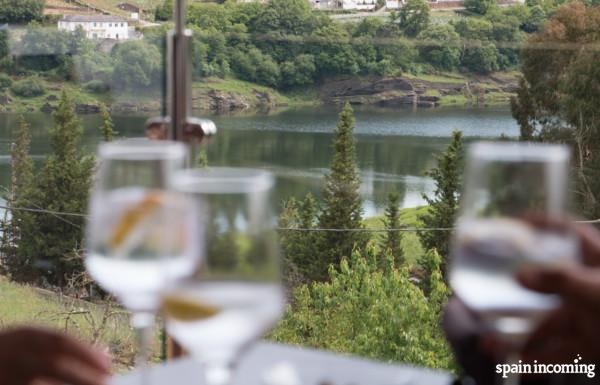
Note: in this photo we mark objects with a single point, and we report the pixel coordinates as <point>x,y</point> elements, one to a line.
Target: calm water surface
<point>395,147</point>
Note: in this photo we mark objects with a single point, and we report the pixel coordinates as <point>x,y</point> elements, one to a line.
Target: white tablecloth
<point>311,366</point>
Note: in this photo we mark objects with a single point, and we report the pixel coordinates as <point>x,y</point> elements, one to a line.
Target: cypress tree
<point>22,178</point>
<point>391,220</point>
<point>443,205</point>
<point>108,128</point>
<point>342,206</point>
<point>62,185</point>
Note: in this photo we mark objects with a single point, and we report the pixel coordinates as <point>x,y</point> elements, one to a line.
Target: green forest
<point>281,44</point>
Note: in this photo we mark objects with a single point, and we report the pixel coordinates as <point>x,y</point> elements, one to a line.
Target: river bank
<point>227,96</point>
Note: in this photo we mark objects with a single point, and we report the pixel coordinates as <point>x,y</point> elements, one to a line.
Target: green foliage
<point>393,239</point>
<point>28,88</point>
<point>21,11</point>
<point>61,185</point>
<point>481,58</point>
<point>164,11</point>
<point>342,205</point>
<point>444,203</point>
<point>556,98</point>
<point>413,17</point>
<point>107,128</point>
<point>480,7</point>
<point>137,65</point>
<point>16,265</point>
<point>299,248</point>
<point>440,46</point>
<point>255,66</point>
<point>370,310</point>
<point>202,159</point>
<point>5,81</point>
<point>96,87</point>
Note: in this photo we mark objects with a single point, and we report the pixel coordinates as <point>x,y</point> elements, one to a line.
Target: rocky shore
<point>214,96</point>
<point>419,92</point>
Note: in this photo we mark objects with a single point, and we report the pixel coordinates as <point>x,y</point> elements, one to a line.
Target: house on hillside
<point>133,10</point>
<point>359,5</point>
<point>96,26</point>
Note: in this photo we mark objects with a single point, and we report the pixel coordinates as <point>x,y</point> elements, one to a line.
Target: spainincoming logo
<point>577,367</point>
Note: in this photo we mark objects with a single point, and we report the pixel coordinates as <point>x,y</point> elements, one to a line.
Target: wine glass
<point>236,294</point>
<point>505,183</point>
<point>139,230</point>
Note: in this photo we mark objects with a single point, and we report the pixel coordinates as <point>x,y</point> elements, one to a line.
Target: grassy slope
<point>25,305</point>
<point>410,241</point>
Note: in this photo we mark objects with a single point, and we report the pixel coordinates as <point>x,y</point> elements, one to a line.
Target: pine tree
<point>62,185</point>
<point>392,239</point>
<point>299,247</point>
<point>444,203</point>
<point>22,179</point>
<point>342,206</point>
<point>108,128</point>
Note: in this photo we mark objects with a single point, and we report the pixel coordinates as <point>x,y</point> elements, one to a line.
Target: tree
<point>299,245</point>
<point>21,11</point>
<point>482,58</point>
<point>370,310</point>
<point>391,221</point>
<point>137,65</point>
<point>164,11</point>
<point>557,94</point>
<point>480,7</point>
<point>62,185</point>
<point>18,266</point>
<point>444,203</point>
<point>413,17</point>
<point>108,128</point>
<point>440,46</point>
<point>342,205</point>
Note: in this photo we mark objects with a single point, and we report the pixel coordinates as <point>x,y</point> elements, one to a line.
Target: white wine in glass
<point>139,231</point>
<point>236,295</point>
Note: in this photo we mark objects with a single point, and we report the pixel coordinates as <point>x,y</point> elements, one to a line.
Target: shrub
<point>96,87</point>
<point>5,81</point>
<point>371,310</point>
<point>28,88</point>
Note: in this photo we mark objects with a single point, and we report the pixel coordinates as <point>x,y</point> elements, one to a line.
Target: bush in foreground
<point>372,309</point>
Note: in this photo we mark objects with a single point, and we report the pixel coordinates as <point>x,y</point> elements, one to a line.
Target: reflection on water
<point>394,147</point>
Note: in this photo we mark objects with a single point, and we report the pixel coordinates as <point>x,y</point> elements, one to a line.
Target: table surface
<point>309,367</point>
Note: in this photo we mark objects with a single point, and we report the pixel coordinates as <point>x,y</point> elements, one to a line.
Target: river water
<point>394,147</point>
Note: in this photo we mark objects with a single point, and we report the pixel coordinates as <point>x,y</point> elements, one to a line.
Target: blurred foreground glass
<point>505,182</point>
<point>236,295</point>
<point>139,230</point>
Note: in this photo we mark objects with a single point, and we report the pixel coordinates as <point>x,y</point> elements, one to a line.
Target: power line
<point>292,229</point>
<point>405,229</point>
<point>43,211</point>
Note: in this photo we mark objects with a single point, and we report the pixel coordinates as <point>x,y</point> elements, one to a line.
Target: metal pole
<point>179,124</point>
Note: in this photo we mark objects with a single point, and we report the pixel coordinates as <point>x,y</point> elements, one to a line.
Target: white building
<point>360,5</point>
<point>394,4</point>
<point>97,26</point>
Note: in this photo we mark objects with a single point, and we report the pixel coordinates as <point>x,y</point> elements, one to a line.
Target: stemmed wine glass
<point>504,184</point>
<point>236,294</point>
<point>139,230</point>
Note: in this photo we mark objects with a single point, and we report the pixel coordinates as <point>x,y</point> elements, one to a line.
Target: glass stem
<point>513,378</point>
<point>218,373</point>
<point>143,323</point>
